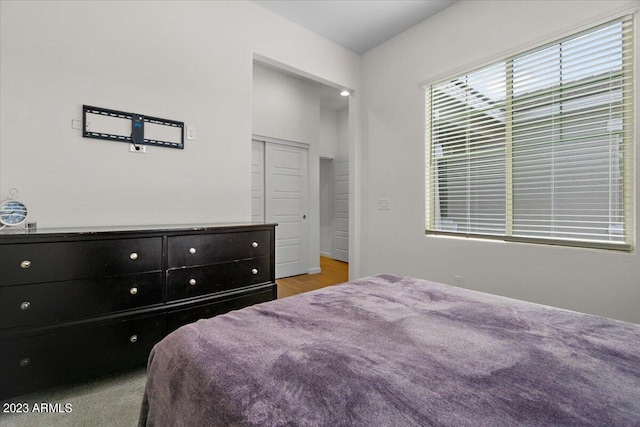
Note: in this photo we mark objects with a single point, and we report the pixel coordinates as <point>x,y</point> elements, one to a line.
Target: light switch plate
<point>191,132</point>
<point>384,204</point>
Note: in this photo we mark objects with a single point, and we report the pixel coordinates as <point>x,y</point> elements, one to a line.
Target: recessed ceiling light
<point>344,93</point>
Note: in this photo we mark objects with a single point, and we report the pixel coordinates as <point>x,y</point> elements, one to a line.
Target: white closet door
<point>257,181</point>
<point>287,205</point>
<point>341,211</point>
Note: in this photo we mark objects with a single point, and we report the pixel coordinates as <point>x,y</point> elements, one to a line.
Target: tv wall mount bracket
<point>113,125</point>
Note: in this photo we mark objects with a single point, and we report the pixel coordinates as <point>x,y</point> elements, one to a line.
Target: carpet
<point>111,401</point>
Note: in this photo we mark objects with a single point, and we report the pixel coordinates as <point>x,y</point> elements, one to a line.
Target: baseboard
<point>325,254</point>
<point>315,270</point>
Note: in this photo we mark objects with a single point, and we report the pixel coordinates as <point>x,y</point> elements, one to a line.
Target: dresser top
<point>19,233</point>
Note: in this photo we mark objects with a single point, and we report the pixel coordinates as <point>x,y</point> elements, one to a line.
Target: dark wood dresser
<point>79,303</point>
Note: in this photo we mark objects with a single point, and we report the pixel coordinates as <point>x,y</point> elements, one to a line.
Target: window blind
<point>538,147</point>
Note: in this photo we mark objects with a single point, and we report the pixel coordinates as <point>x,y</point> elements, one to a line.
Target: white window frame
<point>628,147</point>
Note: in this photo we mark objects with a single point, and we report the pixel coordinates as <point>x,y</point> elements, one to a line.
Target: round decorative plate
<point>12,213</point>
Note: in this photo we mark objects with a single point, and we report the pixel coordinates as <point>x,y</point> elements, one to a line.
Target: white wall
<point>342,151</point>
<point>187,61</point>
<point>285,107</point>
<point>467,35</point>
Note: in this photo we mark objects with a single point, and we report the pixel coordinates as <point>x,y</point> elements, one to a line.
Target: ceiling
<point>358,25</point>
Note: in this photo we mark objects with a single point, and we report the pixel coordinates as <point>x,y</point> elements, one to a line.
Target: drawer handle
<point>254,244</point>
<point>254,271</point>
<point>133,338</point>
<point>192,282</point>
<point>25,305</point>
<point>133,291</point>
<point>25,264</point>
<point>192,250</point>
<point>133,256</point>
<point>24,362</point>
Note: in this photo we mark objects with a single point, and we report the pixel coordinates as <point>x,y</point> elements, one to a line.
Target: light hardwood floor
<point>333,272</point>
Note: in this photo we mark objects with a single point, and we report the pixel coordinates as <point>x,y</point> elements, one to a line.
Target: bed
<point>390,350</point>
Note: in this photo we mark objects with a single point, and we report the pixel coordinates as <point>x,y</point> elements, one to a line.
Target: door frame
<point>332,189</point>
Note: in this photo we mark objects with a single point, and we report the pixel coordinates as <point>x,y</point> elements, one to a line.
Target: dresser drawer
<point>202,249</point>
<point>210,279</point>
<point>181,317</point>
<point>57,301</point>
<point>49,262</point>
<point>33,363</point>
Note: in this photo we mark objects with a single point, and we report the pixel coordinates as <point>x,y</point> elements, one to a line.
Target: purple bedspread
<point>396,351</point>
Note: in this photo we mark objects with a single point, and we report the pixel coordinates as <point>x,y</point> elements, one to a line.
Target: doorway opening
<point>292,109</point>
<point>334,209</point>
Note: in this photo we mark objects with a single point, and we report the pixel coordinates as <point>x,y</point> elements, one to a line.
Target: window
<point>538,147</point>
